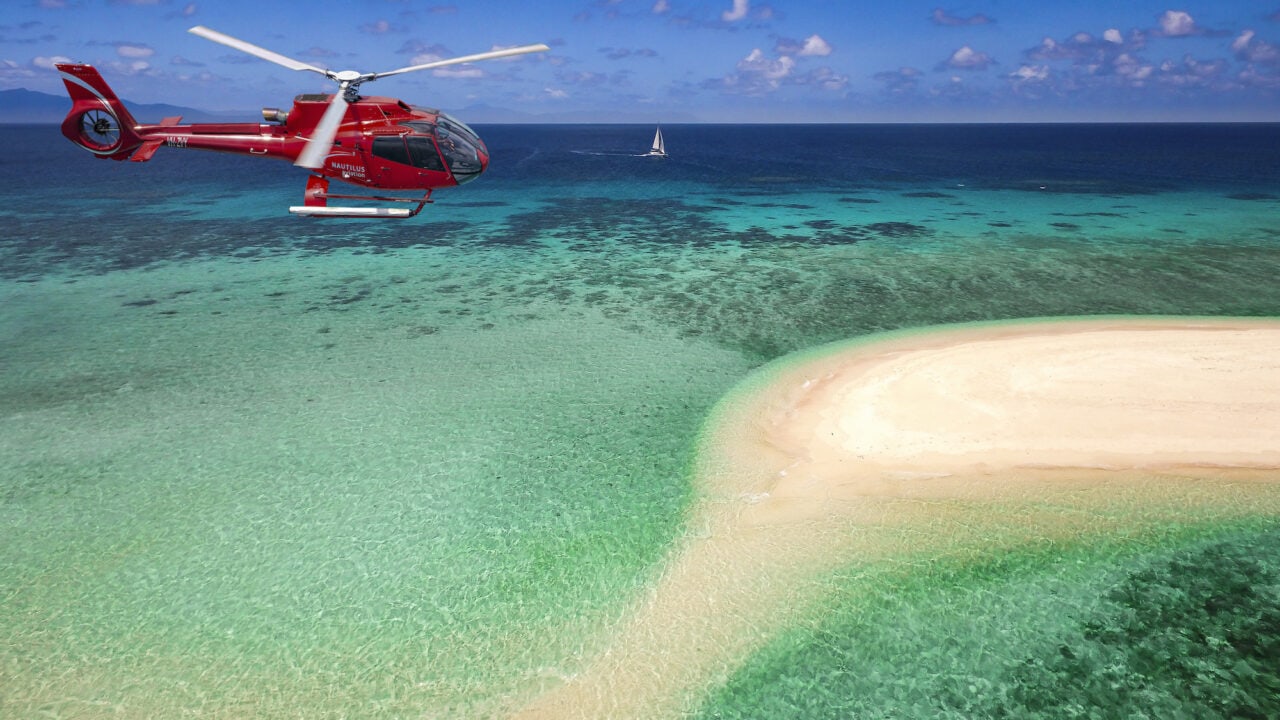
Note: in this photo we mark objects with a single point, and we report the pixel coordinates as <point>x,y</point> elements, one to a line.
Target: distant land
<point>28,106</point>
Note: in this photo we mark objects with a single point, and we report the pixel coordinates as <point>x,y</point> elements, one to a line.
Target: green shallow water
<point>1175,622</point>
<point>308,499</point>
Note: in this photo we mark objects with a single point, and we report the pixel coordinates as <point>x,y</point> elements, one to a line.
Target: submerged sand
<point>914,446</point>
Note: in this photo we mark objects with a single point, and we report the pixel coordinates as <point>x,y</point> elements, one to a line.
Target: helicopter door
<point>405,160</point>
<point>389,161</point>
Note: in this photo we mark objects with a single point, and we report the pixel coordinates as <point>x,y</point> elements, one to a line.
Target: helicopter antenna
<point>349,81</point>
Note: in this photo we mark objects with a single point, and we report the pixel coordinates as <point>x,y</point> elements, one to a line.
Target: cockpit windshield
<point>461,148</point>
<point>458,145</point>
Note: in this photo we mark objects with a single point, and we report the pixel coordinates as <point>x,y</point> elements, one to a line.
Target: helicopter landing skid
<point>317,203</point>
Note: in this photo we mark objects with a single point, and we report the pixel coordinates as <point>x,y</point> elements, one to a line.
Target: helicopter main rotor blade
<point>313,155</point>
<point>252,49</point>
<point>508,52</point>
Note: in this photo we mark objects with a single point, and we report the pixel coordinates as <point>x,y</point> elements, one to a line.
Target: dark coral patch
<point>898,229</point>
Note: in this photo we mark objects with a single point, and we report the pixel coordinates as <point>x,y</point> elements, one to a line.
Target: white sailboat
<point>659,148</point>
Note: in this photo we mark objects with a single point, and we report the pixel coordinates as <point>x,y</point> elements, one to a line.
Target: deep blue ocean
<point>722,184</point>
<point>255,465</point>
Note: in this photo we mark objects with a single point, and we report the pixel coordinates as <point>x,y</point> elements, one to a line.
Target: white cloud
<point>135,67</point>
<point>48,62</point>
<point>1252,77</point>
<point>1242,42</point>
<point>134,51</point>
<point>556,93</point>
<point>1083,48</point>
<point>1031,73</point>
<point>1193,73</point>
<point>1177,23</point>
<point>827,79</point>
<point>1252,50</point>
<point>759,74</point>
<point>661,6</point>
<point>12,71</point>
<point>1048,49</point>
<point>815,45</point>
<point>771,71</point>
<point>189,10</point>
<point>1132,69</point>
<point>739,11</point>
<point>966,58</point>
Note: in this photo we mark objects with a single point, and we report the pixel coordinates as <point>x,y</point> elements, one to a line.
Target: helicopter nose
<point>464,152</point>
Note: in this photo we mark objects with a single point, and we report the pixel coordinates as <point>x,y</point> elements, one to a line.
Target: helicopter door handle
<point>257,152</point>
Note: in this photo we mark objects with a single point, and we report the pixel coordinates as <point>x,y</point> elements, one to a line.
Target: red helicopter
<point>377,142</point>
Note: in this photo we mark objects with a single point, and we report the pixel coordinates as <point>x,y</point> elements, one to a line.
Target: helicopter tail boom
<point>98,121</point>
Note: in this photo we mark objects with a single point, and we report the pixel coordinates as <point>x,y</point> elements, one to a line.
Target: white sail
<point>659,148</point>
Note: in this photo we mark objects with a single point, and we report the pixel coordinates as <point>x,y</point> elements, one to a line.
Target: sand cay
<point>942,443</point>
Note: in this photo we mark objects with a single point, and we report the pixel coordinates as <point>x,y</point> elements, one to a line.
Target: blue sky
<point>689,60</point>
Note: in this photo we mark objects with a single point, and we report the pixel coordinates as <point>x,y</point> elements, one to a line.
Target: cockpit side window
<point>422,150</point>
<point>415,150</point>
<point>391,147</point>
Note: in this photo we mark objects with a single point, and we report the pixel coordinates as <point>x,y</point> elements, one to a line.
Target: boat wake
<point>608,153</point>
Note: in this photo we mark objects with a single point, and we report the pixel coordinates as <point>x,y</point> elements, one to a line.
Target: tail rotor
<point>98,121</point>
<point>100,130</point>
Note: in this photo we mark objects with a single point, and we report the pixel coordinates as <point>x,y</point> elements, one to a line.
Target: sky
<point>753,61</point>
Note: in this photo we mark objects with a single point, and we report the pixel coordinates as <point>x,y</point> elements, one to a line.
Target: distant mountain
<point>25,106</point>
<point>29,106</point>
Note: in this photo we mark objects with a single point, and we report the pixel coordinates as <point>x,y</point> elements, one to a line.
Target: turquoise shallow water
<point>272,487</point>
<point>252,465</point>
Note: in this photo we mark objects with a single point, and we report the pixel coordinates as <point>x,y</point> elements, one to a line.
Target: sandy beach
<point>930,442</point>
<point>1104,394</point>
